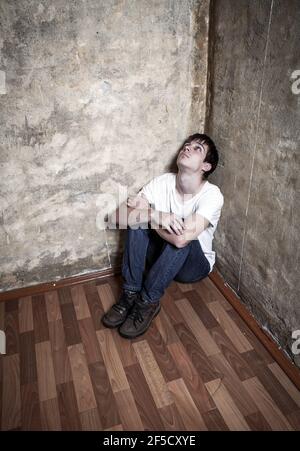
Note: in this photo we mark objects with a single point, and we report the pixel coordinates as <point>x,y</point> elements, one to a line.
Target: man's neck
<point>189,183</point>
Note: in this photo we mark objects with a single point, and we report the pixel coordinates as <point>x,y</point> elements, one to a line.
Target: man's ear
<point>206,167</point>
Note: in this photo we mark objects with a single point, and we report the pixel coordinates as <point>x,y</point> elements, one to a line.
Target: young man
<point>171,221</point>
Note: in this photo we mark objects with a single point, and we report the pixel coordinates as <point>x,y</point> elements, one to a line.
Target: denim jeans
<point>150,263</point>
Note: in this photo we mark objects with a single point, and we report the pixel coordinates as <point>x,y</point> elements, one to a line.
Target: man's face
<point>192,156</point>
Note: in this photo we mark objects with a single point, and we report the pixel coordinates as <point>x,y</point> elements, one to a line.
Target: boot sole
<point>143,331</point>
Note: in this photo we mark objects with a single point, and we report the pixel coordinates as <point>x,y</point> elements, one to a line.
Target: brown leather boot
<point>118,312</point>
<point>139,318</point>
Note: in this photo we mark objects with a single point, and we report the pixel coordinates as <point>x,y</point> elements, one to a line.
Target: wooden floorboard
<point>198,367</point>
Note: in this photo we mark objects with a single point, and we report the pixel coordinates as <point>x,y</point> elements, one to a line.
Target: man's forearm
<point>126,216</point>
<point>167,236</point>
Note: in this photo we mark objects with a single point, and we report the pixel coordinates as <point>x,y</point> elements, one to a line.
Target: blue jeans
<point>144,247</point>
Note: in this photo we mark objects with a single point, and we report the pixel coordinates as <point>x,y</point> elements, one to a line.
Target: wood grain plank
<point>50,416</point>
<point>230,328</point>
<point>60,356</point>
<point>81,379</point>
<point>128,411</point>
<point>90,420</point>
<point>226,406</point>
<point>171,309</point>
<point>28,371</point>
<point>257,422</point>
<point>286,383</point>
<point>52,306</point>
<point>70,323</point>
<point>165,328</point>
<point>94,304</point>
<point>30,407</point>
<point>80,303</point>
<point>143,399</point>
<point>11,395</point>
<point>112,361</point>
<point>264,354</point>
<point>11,329</point>
<point>294,419</point>
<point>106,296</point>
<point>117,427</point>
<point>125,349</point>
<point>11,305</point>
<point>153,375</point>
<point>214,421</point>
<point>162,355</point>
<point>175,291</point>
<point>25,314</point>
<point>266,405</point>
<point>2,314</point>
<point>198,329</point>
<point>203,366</point>
<point>185,287</point>
<point>64,295</point>
<point>277,392</point>
<point>107,407</point>
<point>40,320</point>
<point>171,419</point>
<point>68,409</point>
<point>192,379</point>
<point>187,409</point>
<point>209,292</point>
<point>201,309</point>
<point>89,340</point>
<point>234,385</point>
<point>45,371</point>
<point>234,358</point>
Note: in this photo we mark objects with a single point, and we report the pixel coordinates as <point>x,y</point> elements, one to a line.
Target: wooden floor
<point>198,367</point>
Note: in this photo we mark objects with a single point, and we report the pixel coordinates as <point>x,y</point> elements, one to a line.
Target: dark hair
<point>212,155</point>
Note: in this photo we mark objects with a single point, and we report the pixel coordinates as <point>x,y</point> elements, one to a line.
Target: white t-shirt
<point>160,193</point>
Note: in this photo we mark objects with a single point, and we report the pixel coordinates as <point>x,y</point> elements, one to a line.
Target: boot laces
<point>119,308</point>
<point>136,314</point>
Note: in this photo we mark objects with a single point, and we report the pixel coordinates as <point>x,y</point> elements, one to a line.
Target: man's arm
<point>194,225</point>
<point>137,210</point>
<point>125,216</point>
<point>167,236</point>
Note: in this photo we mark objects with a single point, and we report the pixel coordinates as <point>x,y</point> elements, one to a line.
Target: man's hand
<point>169,221</point>
<point>137,202</point>
<point>193,227</point>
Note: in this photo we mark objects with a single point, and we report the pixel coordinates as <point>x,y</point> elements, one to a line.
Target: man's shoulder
<point>214,191</point>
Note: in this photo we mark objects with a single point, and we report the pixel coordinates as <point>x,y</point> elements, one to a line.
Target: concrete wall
<point>254,118</point>
<point>94,95</point>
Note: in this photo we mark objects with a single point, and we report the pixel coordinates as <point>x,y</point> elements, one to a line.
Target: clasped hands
<point>159,219</point>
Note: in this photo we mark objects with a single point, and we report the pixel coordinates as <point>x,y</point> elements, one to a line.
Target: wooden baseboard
<point>278,355</point>
<point>287,365</point>
<point>69,281</point>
